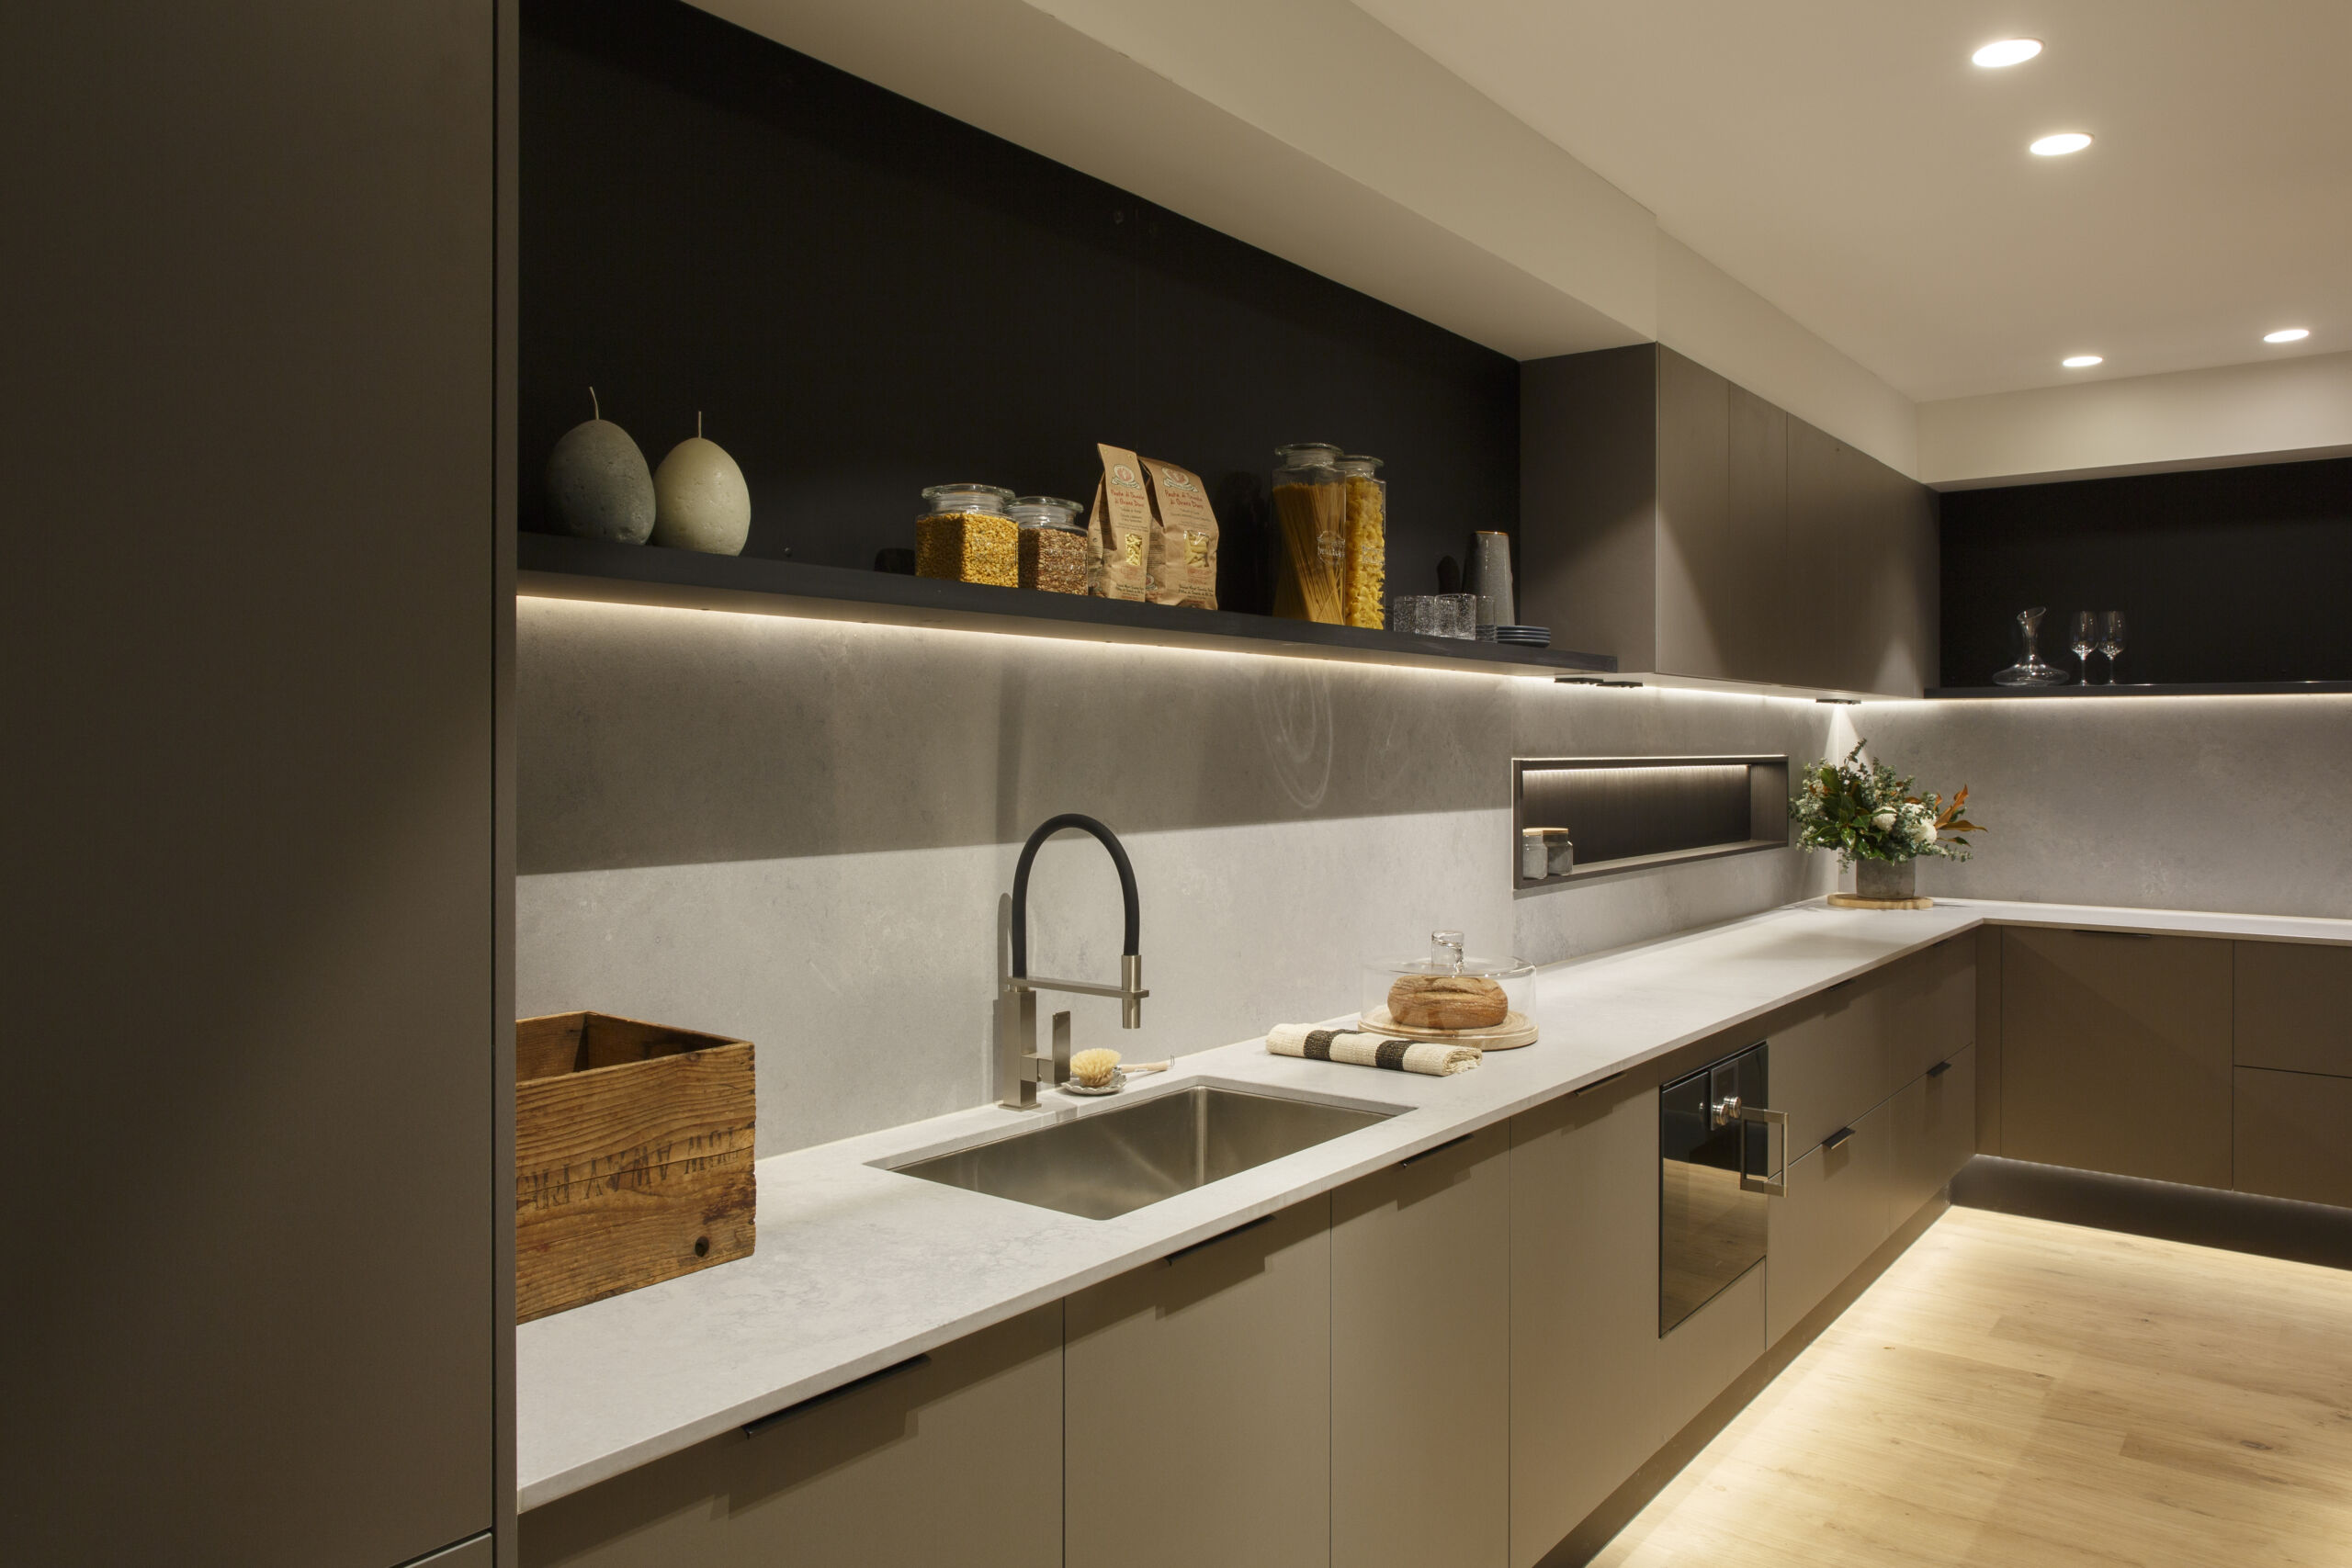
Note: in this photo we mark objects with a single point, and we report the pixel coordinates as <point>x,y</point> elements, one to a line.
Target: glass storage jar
<point>967,537</point>
<point>1311,506</point>
<point>1364,577</point>
<point>1451,995</point>
<point>1052,547</point>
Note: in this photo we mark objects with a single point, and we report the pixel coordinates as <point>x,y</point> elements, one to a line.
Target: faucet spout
<point>1110,841</point>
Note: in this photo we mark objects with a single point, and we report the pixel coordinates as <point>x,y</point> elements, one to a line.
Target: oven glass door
<point>1711,1231</point>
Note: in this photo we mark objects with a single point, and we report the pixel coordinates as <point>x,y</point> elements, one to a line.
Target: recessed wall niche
<point>1630,813</point>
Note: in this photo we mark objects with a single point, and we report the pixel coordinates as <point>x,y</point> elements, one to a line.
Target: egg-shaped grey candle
<point>598,486</point>
<point>700,501</point>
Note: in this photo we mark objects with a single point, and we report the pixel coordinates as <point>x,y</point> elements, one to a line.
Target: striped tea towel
<point>1370,1050</point>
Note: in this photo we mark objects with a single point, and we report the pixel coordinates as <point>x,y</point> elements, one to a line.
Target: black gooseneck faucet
<point>1020,1066</point>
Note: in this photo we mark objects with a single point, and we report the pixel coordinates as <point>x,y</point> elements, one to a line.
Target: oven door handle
<point>1776,1185</point>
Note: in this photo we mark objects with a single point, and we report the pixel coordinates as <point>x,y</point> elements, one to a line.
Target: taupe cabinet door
<point>1829,1063</point>
<point>1199,1405</point>
<point>956,1462</point>
<point>1420,1361</point>
<point>2291,1137</point>
<point>2294,1006</point>
<point>1583,1307</point>
<point>2116,1053</point>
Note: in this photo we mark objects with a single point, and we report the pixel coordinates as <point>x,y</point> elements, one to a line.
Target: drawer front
<point>2291,1139</point>
<point>2294,1006</point>
<point>1829,1061</point>
<point>1833,1216</point>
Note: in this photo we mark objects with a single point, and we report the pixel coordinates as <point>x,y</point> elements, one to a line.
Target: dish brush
<point>1095,1069</point>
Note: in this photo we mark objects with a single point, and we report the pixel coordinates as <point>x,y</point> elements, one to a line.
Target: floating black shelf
<point>552,566</point>
<point>2210,689</point>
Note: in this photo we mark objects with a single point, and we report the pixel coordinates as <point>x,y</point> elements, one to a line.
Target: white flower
<point>1922,831</point>
<point>1883,821</point>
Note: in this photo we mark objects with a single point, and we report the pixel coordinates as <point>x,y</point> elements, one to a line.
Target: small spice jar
<point>967,537</point>
<point>1052,547</point>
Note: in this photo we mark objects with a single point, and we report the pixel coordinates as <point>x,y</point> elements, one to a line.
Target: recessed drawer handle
<point>754,1428</point>
<point>1437,1149</point>
<point>2127,936</point>
<point>1221,1235</point>
<point>1939,1069</point>
<point>1838,1138</point>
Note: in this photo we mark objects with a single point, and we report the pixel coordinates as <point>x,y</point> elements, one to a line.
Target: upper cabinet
<point>1691,528</point>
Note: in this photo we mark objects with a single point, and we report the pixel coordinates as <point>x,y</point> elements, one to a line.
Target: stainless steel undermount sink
<point>1102,1164</point>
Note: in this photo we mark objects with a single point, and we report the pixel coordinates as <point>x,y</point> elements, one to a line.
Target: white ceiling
<point>1845,160</point>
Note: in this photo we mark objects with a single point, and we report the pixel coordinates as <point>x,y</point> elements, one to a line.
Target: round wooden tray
<point>1854,901</point>
<point>1516,1030</point>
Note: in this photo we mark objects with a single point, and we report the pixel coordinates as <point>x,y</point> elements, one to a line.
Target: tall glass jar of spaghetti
<point>1311,511</point>
<point>1363,580</point>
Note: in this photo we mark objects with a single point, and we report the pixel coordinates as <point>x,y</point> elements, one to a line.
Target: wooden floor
<point>2024,1394</point>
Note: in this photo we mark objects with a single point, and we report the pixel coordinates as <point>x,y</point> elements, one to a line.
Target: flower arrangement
<point>1865,811</point>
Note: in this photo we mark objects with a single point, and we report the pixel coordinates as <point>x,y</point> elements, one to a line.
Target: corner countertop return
<point>859,1268</point>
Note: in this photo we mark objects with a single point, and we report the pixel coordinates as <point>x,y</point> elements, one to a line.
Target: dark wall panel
<point>2225,574</point>
<point>865,296</point>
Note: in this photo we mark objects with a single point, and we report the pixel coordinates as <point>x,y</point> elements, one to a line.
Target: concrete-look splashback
<point>797,831</point>
<point>2228,803</point>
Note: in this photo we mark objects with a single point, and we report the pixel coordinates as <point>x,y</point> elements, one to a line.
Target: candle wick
<point>697,424</point>
<point>596,410</point>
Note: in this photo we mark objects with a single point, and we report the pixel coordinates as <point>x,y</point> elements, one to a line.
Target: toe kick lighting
<point>2061,144</point>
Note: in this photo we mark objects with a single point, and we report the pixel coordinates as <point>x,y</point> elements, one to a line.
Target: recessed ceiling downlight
<point>2288,334</point>
<point>2081,361</point>
<point>2058,146</point>
<point>2007,52</point>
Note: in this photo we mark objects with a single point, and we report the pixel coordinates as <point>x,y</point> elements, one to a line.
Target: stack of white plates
<point>1525,636</point>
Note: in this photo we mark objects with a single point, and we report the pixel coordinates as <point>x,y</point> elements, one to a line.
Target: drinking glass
<point>2111,640</point>
<point>2085,641</point>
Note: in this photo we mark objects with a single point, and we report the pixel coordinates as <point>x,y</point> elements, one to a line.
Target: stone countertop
<point>860,1268</point>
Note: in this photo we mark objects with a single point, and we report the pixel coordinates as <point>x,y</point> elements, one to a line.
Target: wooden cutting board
<point>1516,1030</point>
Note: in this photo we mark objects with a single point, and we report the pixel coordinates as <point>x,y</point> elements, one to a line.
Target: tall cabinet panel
<point>1721,533</point>
<point>250,630</point>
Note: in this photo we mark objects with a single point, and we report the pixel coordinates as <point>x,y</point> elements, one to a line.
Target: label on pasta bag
<point>1183,537</point>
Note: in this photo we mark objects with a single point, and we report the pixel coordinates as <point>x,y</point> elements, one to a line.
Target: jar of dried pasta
<point>1052,547</point>
<point>1364,579</point>
<point>967,535</point>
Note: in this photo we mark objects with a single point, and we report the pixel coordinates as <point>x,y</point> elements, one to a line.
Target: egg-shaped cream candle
<point>700,501</point>
<point>598,486</point>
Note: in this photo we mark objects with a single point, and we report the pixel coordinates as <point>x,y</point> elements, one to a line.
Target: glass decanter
<point>2031,671</point>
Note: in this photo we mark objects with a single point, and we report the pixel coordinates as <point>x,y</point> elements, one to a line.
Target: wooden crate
<point>633,1156</point>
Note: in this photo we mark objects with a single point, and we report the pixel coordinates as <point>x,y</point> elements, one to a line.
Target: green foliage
<point>1866,811</point>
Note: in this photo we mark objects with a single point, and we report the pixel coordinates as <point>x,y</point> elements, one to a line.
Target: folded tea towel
<point>1370,1050</point>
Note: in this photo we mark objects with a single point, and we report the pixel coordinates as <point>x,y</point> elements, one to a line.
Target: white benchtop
<point>858,1267</point>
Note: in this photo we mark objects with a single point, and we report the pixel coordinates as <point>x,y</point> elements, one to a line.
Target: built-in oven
<point>1715,1179</point>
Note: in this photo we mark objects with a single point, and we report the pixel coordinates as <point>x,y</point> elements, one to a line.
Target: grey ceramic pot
<point>1886,879</point>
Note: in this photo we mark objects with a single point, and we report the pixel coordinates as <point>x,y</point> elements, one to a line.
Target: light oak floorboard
<point>2014,1392</point>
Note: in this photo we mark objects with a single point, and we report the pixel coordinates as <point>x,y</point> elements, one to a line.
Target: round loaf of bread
<point>1447,1001</point>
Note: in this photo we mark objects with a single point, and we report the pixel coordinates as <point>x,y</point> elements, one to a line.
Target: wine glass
<point>2111,640</point>
<point>2086,639</point>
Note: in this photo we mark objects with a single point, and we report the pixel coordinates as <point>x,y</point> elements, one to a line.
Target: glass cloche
<point>1451,995</point>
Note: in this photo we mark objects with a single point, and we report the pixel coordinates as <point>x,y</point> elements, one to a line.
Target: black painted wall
<point>2225,574</point>
<point>865,296</point>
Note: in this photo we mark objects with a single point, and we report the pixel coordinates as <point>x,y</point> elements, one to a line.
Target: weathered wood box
<point>633,1156</point>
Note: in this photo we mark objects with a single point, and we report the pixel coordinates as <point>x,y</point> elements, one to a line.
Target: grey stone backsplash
<point>796,831</point>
